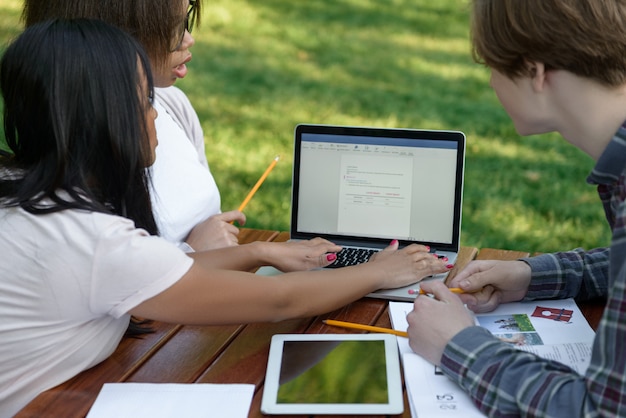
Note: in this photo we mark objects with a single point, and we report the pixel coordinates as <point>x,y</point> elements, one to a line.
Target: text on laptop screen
<point>377,187</point>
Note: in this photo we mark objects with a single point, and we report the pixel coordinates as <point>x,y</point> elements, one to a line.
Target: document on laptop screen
<point>402,189</point>
<point>375,187</point>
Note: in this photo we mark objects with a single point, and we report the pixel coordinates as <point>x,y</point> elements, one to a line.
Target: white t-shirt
<point>184,192</point>
<point>69,278</point>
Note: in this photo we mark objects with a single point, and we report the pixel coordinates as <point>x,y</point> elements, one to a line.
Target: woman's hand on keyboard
<point>303,255</point>
<point>408,265</point>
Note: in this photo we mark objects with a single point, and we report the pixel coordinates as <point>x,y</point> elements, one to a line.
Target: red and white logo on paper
<point>556,314</point>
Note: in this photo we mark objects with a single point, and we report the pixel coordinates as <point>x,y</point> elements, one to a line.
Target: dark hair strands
<point>76,126</point>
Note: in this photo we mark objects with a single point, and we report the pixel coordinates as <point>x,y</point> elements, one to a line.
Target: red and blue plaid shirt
<point>506,382</point>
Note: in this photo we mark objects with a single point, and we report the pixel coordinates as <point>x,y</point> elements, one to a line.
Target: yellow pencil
<point>258,184</point>
<point>364,327</point>
<point>456,290</point>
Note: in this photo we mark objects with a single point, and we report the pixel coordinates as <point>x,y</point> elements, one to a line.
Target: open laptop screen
<point>379,184</point>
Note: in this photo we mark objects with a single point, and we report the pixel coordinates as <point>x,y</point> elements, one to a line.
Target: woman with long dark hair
<point>185,197</point>
<point>77,225</point>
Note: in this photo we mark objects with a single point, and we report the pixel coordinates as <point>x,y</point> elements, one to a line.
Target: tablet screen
<point>333,374</point>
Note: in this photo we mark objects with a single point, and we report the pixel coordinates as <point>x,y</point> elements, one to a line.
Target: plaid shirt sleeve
<point>506,382</point>
<point>578,274</point>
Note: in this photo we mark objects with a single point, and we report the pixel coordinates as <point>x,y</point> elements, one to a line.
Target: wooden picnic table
<point>223,354</point>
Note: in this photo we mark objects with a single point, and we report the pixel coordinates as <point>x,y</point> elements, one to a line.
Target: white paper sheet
<point>432,394</point>
<point>552,329</point>
<point>156,400</point>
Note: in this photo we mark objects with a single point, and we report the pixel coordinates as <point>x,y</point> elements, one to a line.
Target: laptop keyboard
<point>349,256</point>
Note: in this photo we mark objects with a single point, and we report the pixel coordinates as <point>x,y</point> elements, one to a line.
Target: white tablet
<point>356,374</point>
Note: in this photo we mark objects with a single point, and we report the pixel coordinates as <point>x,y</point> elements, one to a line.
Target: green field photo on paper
<point>261,67</point>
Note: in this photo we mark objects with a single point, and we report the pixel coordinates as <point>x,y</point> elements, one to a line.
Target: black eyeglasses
<point>190,21</point>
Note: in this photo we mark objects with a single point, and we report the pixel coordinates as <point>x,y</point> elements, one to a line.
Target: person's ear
<point>537,74</point>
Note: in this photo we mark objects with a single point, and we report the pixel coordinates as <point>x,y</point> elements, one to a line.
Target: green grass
<point>261,67</point>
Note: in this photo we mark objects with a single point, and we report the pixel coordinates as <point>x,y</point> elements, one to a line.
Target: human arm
<point>208,295</point>
<point>285,256</point>
<point>576,273</point>
<point>503,381</point>
<point>216,232</point>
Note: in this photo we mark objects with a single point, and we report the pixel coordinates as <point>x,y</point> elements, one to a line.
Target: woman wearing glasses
<point>185,197</point>
<point>75,215</point>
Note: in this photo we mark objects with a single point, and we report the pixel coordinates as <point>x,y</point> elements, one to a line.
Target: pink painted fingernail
<point>394,242</point>
<point>331,257</point>
<point>449,266</point>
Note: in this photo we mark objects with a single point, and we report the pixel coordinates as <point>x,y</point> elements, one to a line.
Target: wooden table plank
<point>247,235</point>
<point>245,359</point>
<point>365,311</point>
<point>281,237</point>
<point>201,345</point>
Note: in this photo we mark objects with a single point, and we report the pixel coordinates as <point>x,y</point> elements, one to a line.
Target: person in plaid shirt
<point>556,65</point>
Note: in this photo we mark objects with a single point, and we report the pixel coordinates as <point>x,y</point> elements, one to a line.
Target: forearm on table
<point>311,293</point>
<point>206,296</point>
<point>241,258</point>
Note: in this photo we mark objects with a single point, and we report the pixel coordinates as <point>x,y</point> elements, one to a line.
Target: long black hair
<point>74,121</point>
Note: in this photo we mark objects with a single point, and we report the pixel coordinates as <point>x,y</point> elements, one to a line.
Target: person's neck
<point>590,113</point>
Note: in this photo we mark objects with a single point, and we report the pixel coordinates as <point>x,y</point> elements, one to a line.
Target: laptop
<point>362,187</point>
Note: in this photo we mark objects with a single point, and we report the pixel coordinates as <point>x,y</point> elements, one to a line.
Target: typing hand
<point>408,265</point>
<point>303,255</point>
